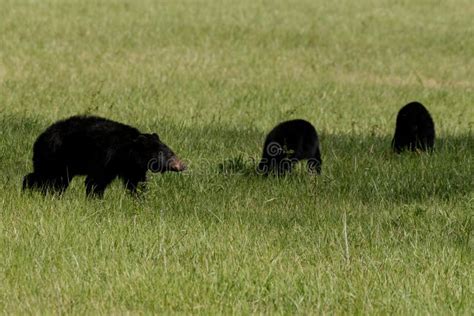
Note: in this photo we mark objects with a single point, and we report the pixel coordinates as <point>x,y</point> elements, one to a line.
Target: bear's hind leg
<point>30,181</point>
<point>52,184</point>
<point>46,184</point>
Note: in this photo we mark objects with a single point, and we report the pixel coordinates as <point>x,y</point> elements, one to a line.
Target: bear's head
<point>156,155</point>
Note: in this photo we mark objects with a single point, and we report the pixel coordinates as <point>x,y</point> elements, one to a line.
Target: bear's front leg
<point>284,166</point>
<point>134,186</point>
<point>96,185</point>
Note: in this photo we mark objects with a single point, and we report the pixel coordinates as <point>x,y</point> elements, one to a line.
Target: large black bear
<point>414,129</point>
<point>288,143</point>
<point>99,148</point>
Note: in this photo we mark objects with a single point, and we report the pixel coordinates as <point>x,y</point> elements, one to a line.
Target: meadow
<point>376,233</point>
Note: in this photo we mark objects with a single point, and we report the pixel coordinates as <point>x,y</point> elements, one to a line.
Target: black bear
<point>414,129</point>
<point>99,148</point>
<point>288,143</point>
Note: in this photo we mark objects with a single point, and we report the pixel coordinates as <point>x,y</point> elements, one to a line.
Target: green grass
<point>212,77</point>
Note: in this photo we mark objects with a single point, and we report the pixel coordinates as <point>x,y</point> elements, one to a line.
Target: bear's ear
<point>155,136</point>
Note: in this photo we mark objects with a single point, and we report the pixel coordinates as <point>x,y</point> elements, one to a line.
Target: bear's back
<point>415,113</point>
<point>93,124</point>
<point>83,133</point>
<point>293,130</point>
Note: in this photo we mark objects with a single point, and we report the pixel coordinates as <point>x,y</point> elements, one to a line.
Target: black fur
<point>415,130</point>
<point>99,148</point>
<point>288,143</point>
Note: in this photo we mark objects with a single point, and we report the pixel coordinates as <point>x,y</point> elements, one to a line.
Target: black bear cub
<point>99,148</point>
<point>288,143</point>
<point>414,129</point>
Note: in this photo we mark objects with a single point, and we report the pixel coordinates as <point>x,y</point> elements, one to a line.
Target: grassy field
<point>212,77</point>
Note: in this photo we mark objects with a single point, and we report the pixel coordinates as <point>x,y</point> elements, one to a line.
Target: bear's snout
<point>176,165</point>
